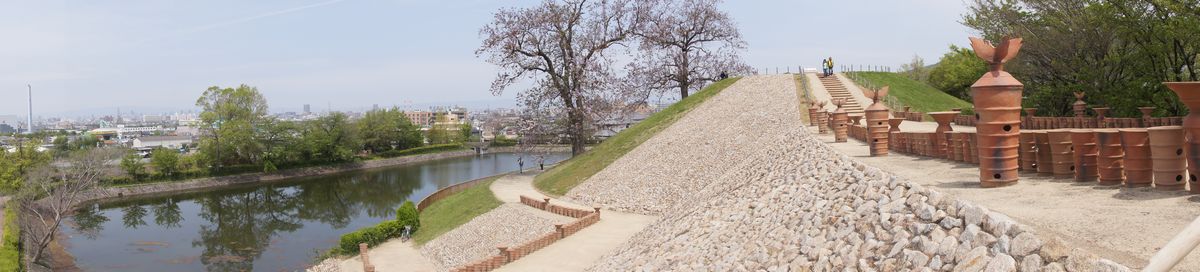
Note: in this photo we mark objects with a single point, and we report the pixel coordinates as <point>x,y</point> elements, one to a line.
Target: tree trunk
<point>575,128</point>
<point>683,90</point>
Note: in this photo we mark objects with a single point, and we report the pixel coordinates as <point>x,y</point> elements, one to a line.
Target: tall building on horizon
<point>307,109</point>
<point>30,120</point>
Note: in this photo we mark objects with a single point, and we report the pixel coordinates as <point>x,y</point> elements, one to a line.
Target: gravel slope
<point>700,148</point>
<point>807,207</point>
<point>508,225</point>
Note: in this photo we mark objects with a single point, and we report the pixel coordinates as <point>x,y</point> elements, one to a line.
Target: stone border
<point>506,255</point>
<point>443,193</point>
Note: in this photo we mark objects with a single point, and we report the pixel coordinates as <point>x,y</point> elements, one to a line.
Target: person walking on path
<point>521,164</point>
<point>830,70</point>
<point>542,162</point>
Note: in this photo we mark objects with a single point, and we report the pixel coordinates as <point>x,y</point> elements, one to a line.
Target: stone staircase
<point>838,91</point>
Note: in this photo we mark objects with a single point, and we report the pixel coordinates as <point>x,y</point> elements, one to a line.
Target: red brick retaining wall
<point>509,254</point>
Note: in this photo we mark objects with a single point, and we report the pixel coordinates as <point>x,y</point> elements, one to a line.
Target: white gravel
<point>507,225</point>
<point>713,139</point>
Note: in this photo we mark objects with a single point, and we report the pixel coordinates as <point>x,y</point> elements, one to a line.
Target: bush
<point>407,215</point>
<point>10,243</point>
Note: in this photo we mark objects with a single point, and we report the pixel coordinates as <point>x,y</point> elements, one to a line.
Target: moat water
<point>272,227</point>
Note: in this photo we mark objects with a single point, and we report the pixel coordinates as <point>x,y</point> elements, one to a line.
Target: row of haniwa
<point>1130,157</point>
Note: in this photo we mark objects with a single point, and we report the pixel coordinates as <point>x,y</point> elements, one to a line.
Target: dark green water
<point>274,227</point>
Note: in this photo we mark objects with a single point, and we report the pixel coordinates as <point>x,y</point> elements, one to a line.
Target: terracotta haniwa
<point>998,107</point>
<point>1189,94</point>
<point>1029,114</point>
<point>1139,169</point>
<point>1083,141</point>
<point>956,145</point>
<point>877,122</point>
<point>822,119</point>
<point>1101,117</point>
<point>973,147</point>
<point>855,118</point>
<point>943,119</point>
<point>1166,152</point>
<point>1111,159</point>
<point>1028,151</point>
<point>1147,120</point>
<point>1045,160</point>
<point>1062,155</point>
<point>812,113</point>
<point>841,122</point>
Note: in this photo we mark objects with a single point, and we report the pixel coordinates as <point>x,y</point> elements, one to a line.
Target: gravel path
<point>700,148</point>
<point>507,225</point>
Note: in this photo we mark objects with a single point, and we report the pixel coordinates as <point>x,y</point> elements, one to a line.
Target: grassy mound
<point>912,93</point>
<point>568,174</point>
<point>455,210</point>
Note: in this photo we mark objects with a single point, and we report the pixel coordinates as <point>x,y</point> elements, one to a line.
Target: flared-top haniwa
<point>1101,116</point>
<point>1189,94</point>
<point>877,122</point>
<point>997,99</point>
<point>1079,106</point>
<point>943,118</point>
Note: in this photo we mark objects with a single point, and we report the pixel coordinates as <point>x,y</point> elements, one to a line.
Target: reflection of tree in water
<point>242,224</point>
<point>378,193</point>
<point>89,221</point>
<point>133,216</point>
<point>167,214</point>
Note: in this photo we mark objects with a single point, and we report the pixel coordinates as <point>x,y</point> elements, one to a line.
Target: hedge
<point>377,234</point>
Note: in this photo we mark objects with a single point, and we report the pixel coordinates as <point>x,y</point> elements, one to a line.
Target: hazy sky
<point>99,55</point>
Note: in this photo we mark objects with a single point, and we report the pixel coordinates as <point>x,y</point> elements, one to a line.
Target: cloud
<point>242,20</point>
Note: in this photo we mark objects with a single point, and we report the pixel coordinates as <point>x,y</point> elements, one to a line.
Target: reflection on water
<point>272,227</point>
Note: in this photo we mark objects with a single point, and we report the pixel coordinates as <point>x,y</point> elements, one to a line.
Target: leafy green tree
<point>15,165</point>
<point>387,129</point>
<point>443,131</point>
<point>133,166</point>
<point>331,138</point>
<point>165,162</point>
<point>956,71</point>
<point>464,132</point>
<point>231,118</point>
<point>280,142</point>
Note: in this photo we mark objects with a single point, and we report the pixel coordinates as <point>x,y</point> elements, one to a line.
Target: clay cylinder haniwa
<point>822,122</point>
<point>943,119</point>
<point>1111,158</point>
<point>958,144</point>
<point>1147,120</point>
<point>812,114</point>
<point>1166,154</point>
<point>1084,143</point>
<point>1028,151</point>
<point>973,147</point>
<point>1139,169</point>
<point>1101,116</point>
<point>1045,158</point>
<point>997,99</point>
<point>1061,152</point>
<point>841,123</point>
<point>1189,94</point>
<point>877,122</point>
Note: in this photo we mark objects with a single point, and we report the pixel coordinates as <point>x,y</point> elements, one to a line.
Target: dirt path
<point>577,252</point>
<point>1127,225</point>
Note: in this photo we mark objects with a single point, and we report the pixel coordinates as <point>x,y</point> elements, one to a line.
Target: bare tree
<point>51,192</point>
<point>562,45</point>
<point>686,44</point>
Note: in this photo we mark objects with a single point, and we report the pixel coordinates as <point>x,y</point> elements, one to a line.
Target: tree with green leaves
<point>231,117</point>
<point>165,162</point>
<point>441,130</point>
<point>956,71</point>
<point>15,165</point>
<point>132,164</point>
<point>330,138</point>
<point>280,142</point>
<point>387,129</point>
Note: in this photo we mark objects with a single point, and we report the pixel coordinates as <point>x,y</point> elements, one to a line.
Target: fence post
<point>546,203</point>
<point>504,253</point>
<point>366,260</point>
<point>558,229</point>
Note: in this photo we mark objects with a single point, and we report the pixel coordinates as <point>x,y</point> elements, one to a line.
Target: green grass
<point>568,174</point>
<point>10,243</point>
<point>912,93</point>
<point>455,210</point>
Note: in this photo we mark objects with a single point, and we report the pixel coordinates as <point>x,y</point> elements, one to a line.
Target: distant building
<point>153,118</point>
<point>11,120</point>
<point>173,142</point>
<point>420,118</point>
<point>307,109</point>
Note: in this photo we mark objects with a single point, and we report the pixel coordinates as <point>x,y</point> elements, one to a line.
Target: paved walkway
<point>577,252</point>
<point>392,255</point>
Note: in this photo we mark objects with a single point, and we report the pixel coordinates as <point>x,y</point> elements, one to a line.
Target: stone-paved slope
<point>698,149</point>
<point>509,224</point>
<point>804,206</point>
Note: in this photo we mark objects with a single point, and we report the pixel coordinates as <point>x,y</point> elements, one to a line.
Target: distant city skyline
<point>351,54</point>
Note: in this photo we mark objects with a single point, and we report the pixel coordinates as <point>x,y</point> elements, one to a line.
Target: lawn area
<point>455,210</point>
<point>568,174</point>
<point>803,94</point>
<point>912,93</point>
